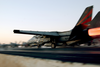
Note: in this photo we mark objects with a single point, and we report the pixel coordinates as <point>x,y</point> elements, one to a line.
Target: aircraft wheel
<point>53,45</point>
<point>39,46</point>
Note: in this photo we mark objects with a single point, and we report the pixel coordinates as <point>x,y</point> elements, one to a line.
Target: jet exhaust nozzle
<point>94,32</point>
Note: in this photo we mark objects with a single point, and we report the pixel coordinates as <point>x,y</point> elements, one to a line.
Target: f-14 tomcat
<point>85,30</point>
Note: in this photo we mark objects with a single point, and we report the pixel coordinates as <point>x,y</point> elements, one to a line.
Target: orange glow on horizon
<point>94,31</point>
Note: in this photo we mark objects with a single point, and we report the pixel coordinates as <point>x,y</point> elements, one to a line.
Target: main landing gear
<point>38,46</point>
<point>53,45</point>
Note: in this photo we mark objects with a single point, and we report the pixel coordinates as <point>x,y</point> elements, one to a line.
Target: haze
<point>40,15</point>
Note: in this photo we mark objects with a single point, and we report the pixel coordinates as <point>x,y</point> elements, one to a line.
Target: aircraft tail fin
<point>83,22</point>
<point>94,24</point>
<point>86,16</point>
<point>96,21</point>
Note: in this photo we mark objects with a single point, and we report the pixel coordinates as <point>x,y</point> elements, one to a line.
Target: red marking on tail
<point>86,17</point>
<point>88,20</point>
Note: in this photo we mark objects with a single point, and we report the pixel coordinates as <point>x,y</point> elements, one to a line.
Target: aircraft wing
<point>37,32</point>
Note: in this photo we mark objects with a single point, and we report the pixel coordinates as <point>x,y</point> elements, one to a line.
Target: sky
<point>40,15</point>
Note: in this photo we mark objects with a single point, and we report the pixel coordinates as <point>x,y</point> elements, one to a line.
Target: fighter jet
<point>81,33</point>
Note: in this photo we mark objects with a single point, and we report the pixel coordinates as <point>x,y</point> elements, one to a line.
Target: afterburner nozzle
<point>94,32</point>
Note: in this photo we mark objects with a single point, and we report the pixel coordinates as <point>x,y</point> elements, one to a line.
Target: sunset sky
<point>40,15</point>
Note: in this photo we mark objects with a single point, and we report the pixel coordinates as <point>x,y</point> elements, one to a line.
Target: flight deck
<point>68,54</point>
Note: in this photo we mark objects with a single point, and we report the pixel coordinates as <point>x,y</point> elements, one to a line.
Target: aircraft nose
<point>16,31</point>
